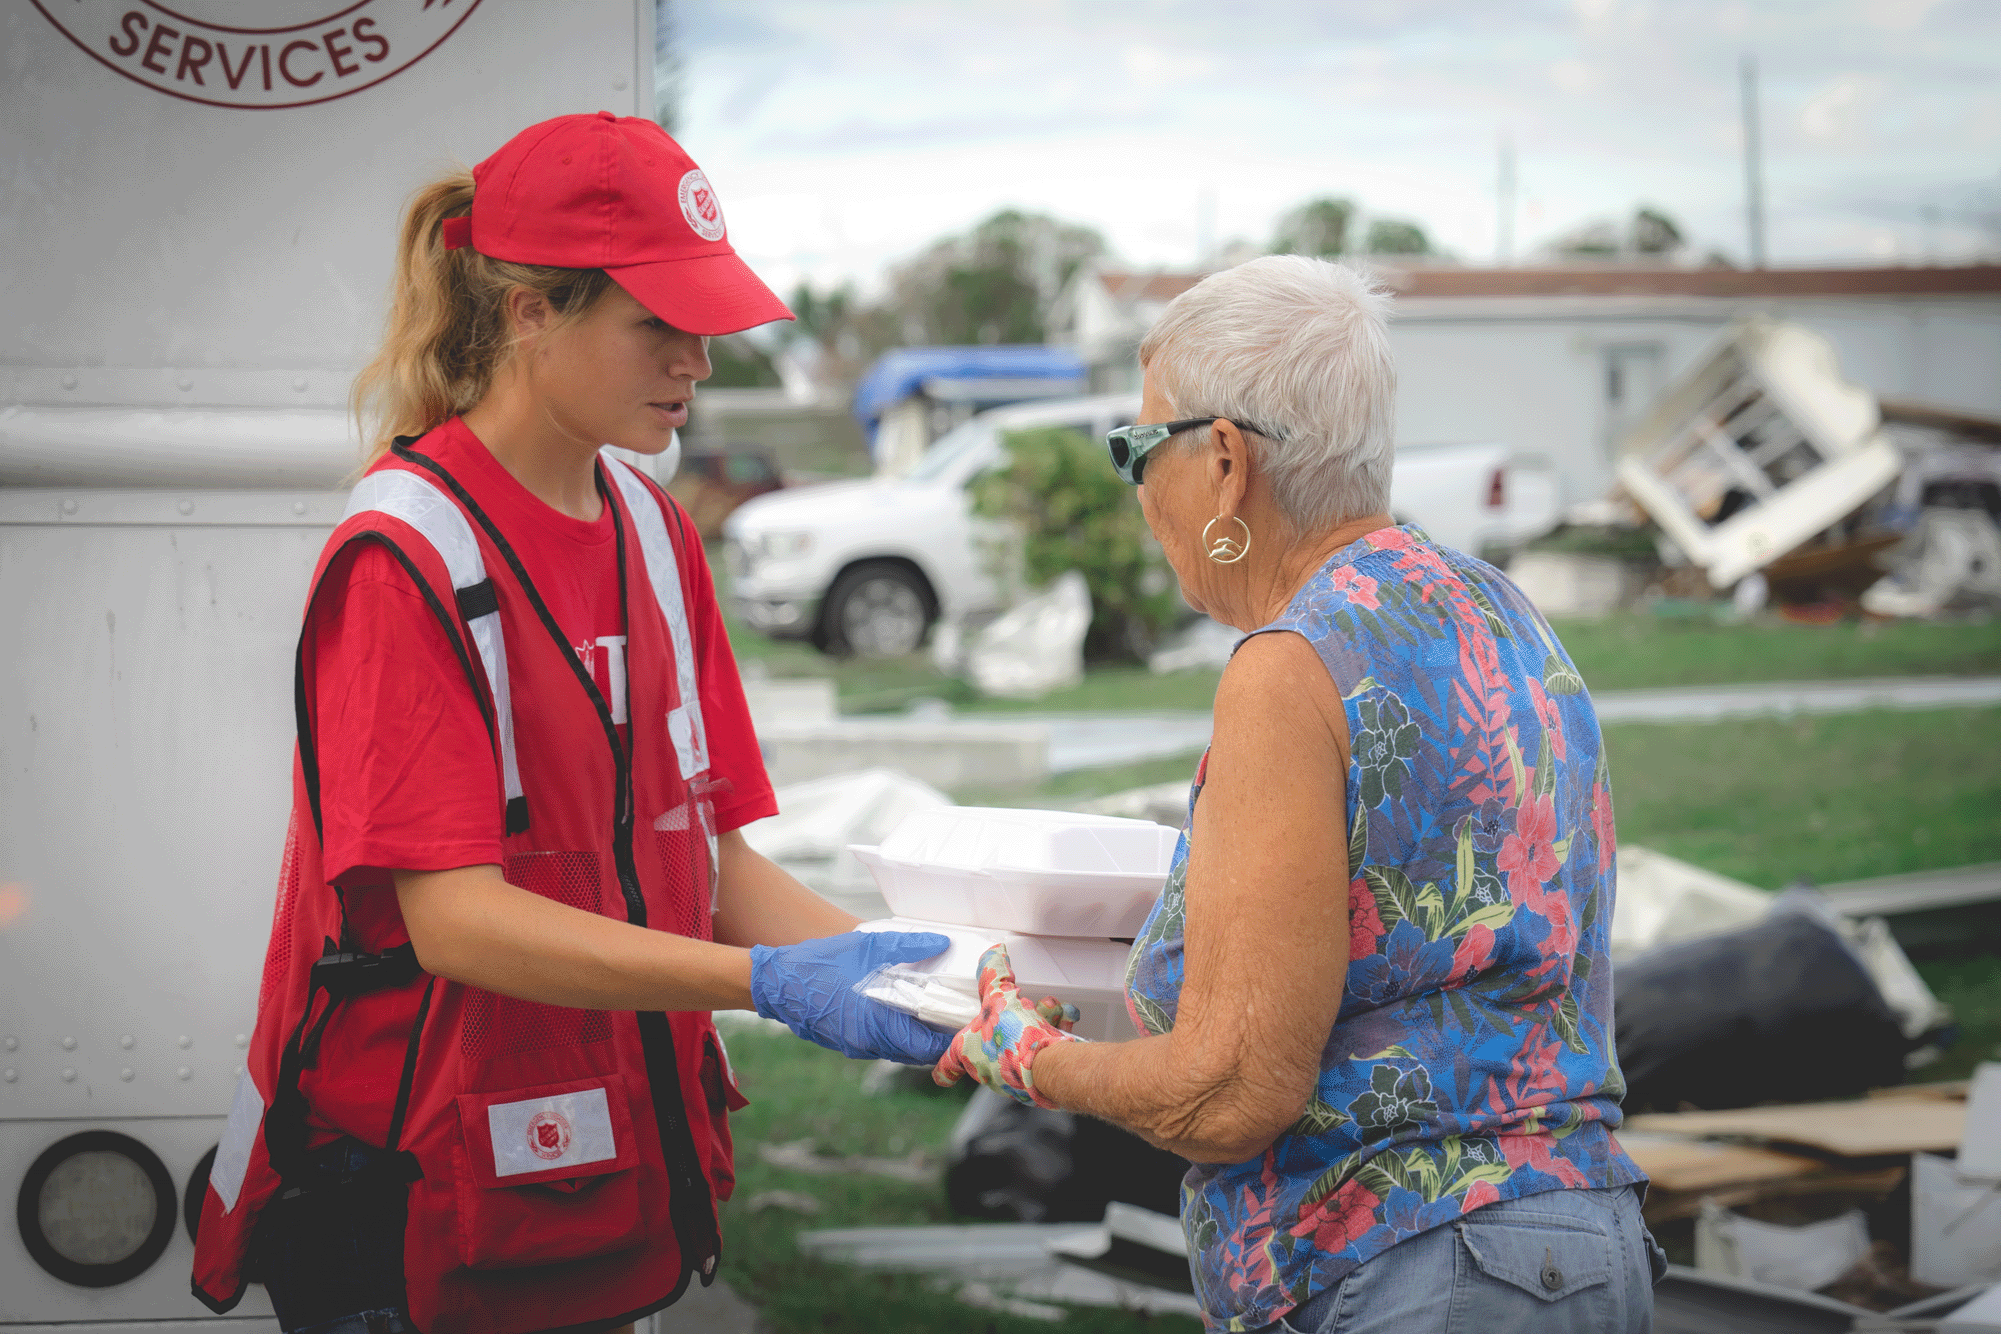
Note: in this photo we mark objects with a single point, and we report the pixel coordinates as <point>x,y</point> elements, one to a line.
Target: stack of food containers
<point>1065,892</point>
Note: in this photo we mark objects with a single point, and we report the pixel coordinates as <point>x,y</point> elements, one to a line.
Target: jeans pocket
<point>1520,1274</point>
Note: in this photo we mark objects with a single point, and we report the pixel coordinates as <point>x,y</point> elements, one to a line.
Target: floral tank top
<point>1472,1059</point>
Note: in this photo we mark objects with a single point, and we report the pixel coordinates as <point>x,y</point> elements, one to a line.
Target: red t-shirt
<point>407,773</point>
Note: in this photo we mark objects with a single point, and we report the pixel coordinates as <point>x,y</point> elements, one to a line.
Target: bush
<point>1071,512</point>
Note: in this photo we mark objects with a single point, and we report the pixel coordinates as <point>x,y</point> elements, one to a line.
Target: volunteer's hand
<point>999,1047</point>
<point>812,988</point>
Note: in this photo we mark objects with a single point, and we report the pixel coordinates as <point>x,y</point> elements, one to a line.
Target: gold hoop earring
<point>1227,550</point>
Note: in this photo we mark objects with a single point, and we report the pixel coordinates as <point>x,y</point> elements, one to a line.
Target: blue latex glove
<point>811,988</point>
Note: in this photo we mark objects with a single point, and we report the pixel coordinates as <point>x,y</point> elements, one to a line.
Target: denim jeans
<point>1561,1262</point>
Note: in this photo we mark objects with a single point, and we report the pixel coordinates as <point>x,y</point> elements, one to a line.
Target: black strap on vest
<point>341,974</point>
<point>691,1202</point>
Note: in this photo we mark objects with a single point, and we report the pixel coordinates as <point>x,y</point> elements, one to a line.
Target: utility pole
<point>1504,206</point>
<point>1754,165</point>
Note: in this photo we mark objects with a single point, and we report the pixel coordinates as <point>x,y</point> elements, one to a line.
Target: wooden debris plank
<point>1673,1162</point>
<point>1862,1128</point>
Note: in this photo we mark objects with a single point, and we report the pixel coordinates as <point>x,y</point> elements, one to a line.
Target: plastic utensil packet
<point>938,999</point>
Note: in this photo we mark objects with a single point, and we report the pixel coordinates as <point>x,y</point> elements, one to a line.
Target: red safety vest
<point>564,1164</point>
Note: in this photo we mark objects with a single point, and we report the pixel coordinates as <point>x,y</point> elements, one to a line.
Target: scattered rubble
<point>1949,562</point>
<point>1806,1257</point>
<point>1200,643</point>
<point>1017,1267</point>
<point>792,1201</point>
<point>1035,647</point>
<point>818,820</point>
<point>1563,583</point>
<point>915,1168</point>
<point>1766,475</point>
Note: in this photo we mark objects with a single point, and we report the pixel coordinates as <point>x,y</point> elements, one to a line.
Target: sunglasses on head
<point>1129,445</point>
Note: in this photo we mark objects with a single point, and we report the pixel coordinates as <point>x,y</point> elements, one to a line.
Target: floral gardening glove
<point>999,1047</point>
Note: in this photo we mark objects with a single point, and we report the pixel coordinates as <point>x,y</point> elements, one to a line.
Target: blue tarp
<point>899,374</point>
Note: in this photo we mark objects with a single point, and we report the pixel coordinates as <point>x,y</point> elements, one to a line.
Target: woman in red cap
<point>485,1093</point>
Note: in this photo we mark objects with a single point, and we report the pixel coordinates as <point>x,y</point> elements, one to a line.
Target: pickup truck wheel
<point>876,610</point>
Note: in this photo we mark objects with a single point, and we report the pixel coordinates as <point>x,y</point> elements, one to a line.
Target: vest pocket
<point>720,1093</point>
<point>551,1174</point>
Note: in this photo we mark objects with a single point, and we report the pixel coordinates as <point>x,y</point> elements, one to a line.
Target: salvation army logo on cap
<point>549,1134</point>
<point>276,53</point>
<point>699,206</point>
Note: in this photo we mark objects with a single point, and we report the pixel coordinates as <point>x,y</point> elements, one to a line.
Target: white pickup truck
<point>866,567</point>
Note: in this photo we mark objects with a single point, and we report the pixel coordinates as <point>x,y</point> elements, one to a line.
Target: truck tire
<point>878,609</point>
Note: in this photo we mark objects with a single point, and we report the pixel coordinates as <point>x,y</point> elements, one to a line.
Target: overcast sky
<point>845,134</point>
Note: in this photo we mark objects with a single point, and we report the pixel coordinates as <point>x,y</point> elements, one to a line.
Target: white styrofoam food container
<point>1089,974</point>
<point>1045,873</point>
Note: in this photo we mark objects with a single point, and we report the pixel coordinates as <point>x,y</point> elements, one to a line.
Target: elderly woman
<point>1375,993</point>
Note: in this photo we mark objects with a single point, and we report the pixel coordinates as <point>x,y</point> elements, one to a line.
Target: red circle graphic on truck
<point>296,53</point>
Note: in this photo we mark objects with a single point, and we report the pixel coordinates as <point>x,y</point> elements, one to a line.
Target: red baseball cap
<point>616,193</point>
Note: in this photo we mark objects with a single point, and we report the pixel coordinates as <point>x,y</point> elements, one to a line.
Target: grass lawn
<point>1844,797</point>
<point>1637,649</point>
<point>1623,652</point>
<point>798,1091</point>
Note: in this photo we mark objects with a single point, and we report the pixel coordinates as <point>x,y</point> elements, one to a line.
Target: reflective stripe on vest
<point>684,721</point>
<point>416,502</point>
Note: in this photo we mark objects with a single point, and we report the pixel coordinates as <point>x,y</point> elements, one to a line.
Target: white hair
<point>1297,348</point>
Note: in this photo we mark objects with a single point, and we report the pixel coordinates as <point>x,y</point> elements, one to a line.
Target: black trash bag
<point>1782,1011</point>
<point>1035,1165</point>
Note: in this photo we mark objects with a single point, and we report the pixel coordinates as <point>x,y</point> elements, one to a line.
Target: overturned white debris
<point>1757,449</point>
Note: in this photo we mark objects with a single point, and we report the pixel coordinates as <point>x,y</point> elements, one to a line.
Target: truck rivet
<point>186,507</point>
<point>9,1076</point>
<point>618,85</point>
<point>126,1042</point>
<point>69,1044</point>
<point>239,1072</point>
<point>242,1039</point>
<point>12,1043</point>
<point>185,1041</point>
<point>298,507</point>
<point>300,384</point>
<point>126,1074</point>
<point>69,382</point>
<point>69,1075</point>
<point>185,383</point>
<point>184,1073</point>
<point>69,507</point>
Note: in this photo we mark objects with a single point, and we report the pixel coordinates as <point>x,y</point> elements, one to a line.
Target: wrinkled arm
<point>469,925</point>
<point>1267,928</point>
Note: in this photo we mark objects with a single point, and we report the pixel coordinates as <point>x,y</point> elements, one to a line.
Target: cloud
<point>1897,15</point>
<point>906,118</point>
<point>1836,113</point>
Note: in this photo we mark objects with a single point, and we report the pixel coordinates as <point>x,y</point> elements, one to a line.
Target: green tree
<point>1655,233</point>
<point>736,363</point>
<point>1395,236</point>
<point>1318,227</point>
<point>1073,513</point>
<point>993,285</point>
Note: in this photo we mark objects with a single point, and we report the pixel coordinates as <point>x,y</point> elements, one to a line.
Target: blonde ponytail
<point>447,331</point>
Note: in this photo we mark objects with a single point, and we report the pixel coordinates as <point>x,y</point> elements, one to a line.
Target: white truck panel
<point>190,289</point>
